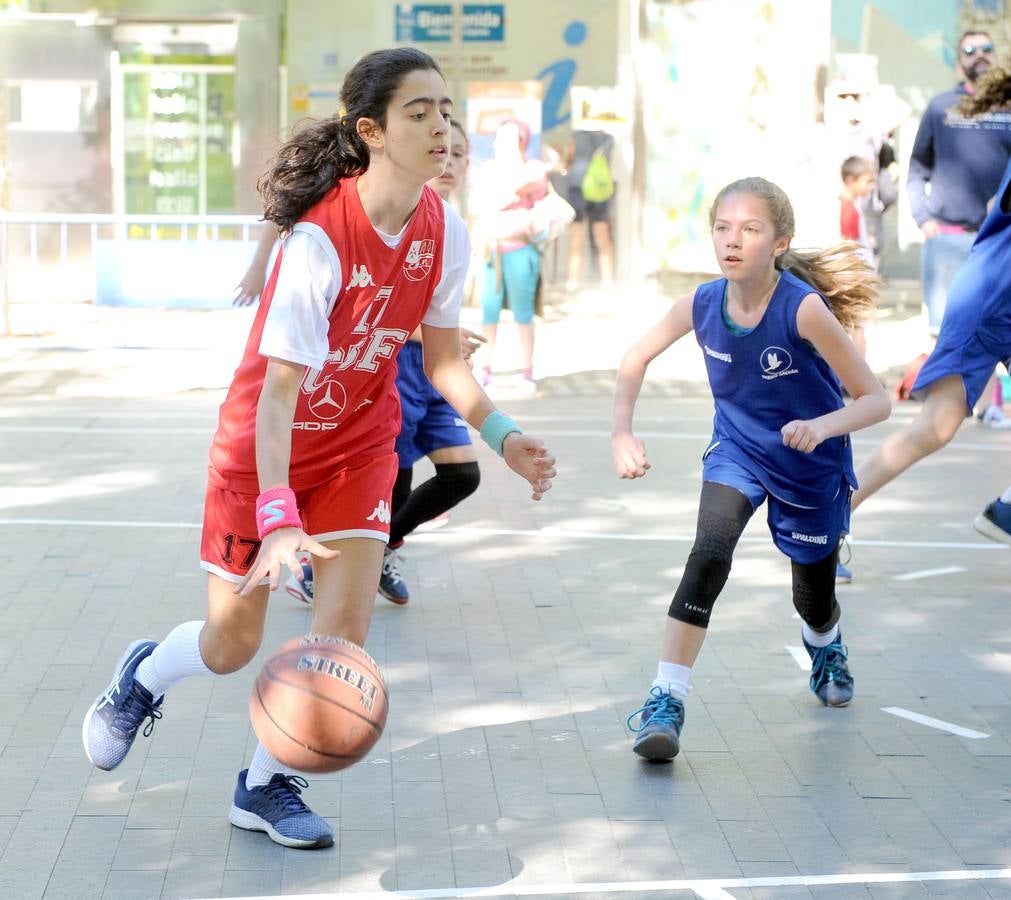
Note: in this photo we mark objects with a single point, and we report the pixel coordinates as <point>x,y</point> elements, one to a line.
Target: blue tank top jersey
<point>979,300</point>
<point>763,379</point>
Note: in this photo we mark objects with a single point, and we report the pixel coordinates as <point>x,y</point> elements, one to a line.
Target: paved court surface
<point>532,632</point>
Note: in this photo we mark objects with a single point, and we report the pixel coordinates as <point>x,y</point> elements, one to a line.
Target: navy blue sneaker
<point>661,719</point>
<point>830,675</point>
<point>111,723</point>
<point>301,590</point>
<point>277,809</point>
<point>391,582</point>
<point>995,522</point>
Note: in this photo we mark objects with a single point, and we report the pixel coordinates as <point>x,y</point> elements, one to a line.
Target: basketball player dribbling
<point>303,458</point>
<point>429,427</point>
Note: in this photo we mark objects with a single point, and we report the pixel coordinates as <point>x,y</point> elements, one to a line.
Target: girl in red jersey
<point>303,458</point>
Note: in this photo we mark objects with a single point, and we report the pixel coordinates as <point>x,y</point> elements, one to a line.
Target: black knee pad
<point>814,592</point>
<point>700,585</point>
<point>723,513</point>
<point>457,480</point>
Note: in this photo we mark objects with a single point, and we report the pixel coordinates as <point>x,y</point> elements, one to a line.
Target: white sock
<point>262,768</point>
<point>175,658</point>
<point>819,640</point>
<point>1006,496</point>
<point>673,678</point>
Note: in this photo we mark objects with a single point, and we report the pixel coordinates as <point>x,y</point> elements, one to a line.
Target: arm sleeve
<point>444,308</point>
<point>297,324</point>
<point>921,164</point>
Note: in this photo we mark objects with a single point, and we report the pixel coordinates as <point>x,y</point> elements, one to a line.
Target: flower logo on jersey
<point>776,362</point>
<point>419,259</point>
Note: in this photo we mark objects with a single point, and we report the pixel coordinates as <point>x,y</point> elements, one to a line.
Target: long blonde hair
<point>838,272</point>
<point>991,92</point>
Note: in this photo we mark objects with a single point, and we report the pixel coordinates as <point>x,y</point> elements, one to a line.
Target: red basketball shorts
<point>354,503</point>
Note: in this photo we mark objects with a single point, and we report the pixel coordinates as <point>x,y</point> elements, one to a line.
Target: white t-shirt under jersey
<point>309,283</point>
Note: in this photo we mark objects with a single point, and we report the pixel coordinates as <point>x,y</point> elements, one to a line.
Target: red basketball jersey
<point>349,408</point>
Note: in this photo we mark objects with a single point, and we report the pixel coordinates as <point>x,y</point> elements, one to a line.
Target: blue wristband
<point>495,427</point>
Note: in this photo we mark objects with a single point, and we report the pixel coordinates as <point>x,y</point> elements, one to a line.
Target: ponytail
<point>309,165</point>
<point>992,92</point>
<point>841,275</point>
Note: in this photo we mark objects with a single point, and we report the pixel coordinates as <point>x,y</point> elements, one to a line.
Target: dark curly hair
<point>990,93</point>
<point>324,151</point>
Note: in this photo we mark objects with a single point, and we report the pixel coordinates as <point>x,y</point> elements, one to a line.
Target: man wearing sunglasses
<point>962,161</point>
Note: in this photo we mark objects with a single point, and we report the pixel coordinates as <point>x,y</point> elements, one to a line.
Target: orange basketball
<point>319,704</point>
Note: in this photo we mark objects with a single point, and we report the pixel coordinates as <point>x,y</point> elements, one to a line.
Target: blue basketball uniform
<point>428,421</point>
<point>762,378</point>
<point>976,329</point>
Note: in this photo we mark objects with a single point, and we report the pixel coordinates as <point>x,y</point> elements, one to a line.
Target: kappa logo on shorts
<point>380,513</point>
<point>776,362</point>
<point>419,260</point>
<point>361,277</point>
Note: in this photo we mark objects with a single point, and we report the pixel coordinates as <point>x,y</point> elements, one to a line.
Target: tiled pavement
<point>532,632</point>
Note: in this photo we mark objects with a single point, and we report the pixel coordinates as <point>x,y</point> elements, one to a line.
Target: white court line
<point>934,723</point>
<point>800,657</point>
<point>699,886</point>
<point>538,533</point>
<point>713,893</point>
<point>86,429</point>
<point>100,523</point>
<point>929,573</point>
<point>554,531</point>
<point>652,435</point>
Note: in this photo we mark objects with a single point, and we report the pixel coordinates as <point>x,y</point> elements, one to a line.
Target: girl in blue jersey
<point>975,336</point>
<point>773,331</point>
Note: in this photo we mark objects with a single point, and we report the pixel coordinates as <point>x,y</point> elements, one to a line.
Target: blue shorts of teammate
<point>804,535</point>
<point>975,336</point>
<point>428,421</point>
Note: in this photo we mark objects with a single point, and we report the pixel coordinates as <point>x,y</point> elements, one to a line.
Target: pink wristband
<point>276,508</point>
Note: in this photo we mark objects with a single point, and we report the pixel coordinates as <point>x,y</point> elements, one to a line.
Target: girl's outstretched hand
<point>528,457</point>
<point>279,549</point>
<point>629,454</point>
<point>802,435</point>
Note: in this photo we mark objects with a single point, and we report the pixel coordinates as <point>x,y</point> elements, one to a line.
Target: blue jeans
<point>942,257</point>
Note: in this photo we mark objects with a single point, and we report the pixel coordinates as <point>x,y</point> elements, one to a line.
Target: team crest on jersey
<point>419,259</point>
<point>776,362</point>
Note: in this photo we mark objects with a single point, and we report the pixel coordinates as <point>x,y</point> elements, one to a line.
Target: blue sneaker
<point>111,723</point>
<point>995,522</point>
<point>391,582</point>
<point>301,590</point>
<point>830,675</point>
<point>277,809</point>
<point>661,719</point>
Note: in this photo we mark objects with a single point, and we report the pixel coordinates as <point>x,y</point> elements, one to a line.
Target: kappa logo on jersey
<point>381,513</point>
<point>776,362</point>
<point>419,260</point>
<point>361,277</point>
